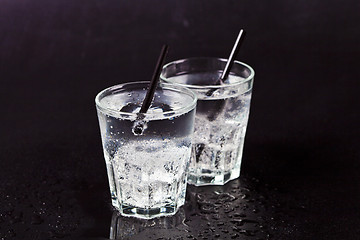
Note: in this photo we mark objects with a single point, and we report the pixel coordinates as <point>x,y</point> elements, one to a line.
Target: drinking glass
<point>147,170</point>
<point>221,115</point>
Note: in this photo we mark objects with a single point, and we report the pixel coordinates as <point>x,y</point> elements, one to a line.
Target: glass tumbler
<point>221,115</point>
<point>147,169</point>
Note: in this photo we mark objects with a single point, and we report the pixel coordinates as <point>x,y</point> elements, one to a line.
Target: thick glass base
<point>146,213</point>
<point>213,178</point>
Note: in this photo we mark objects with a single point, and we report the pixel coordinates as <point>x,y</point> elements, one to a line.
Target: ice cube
<point>130,108</point>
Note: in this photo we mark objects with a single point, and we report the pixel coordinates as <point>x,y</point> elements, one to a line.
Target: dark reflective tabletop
<point>300,170</point>
<point>242,208</point>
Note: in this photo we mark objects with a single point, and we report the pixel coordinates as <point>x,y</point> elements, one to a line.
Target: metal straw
<point>221,103</point>
<point>154,80</point>
<point>232,56</point>
<point>139,125</point>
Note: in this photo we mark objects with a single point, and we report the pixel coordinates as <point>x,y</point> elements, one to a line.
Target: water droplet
<point>237,222</point>
<point>234,236</point>
<point>225,197</point>
<point>207,208</point>
<point>239,215</point>
<point>228,209</point>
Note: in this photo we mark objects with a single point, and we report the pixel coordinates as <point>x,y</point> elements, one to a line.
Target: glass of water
<point>221,115</point>
<point>147,170</point>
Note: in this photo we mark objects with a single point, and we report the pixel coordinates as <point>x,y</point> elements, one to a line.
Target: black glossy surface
<point>300,172</point>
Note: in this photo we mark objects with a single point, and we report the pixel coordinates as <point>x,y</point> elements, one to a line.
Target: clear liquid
<point>147,172</point>
<point>150,173</point>
<point>220,127</point>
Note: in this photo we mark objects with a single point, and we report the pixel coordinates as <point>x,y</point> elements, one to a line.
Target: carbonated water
<point>147,172</point>
<point>220,126</point>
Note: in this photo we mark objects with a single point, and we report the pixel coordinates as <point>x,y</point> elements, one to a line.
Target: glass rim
<point>150,116</point>
<point>191,86</point>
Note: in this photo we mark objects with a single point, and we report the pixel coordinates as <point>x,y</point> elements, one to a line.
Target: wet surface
<point>236,210</point>
<point>300,170</point>
<point>241,208</point>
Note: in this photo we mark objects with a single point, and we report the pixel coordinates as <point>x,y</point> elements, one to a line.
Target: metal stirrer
<point>221,102</point>
<point>139,125</point>
<point>230,61</point>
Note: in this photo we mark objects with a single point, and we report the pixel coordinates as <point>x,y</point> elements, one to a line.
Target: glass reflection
<point>133,228</point>
<point>238,210</point>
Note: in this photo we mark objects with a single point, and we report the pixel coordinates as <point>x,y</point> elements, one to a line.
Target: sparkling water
<point>147,171</point>
<point>220,126</point>
<point>150,173</point>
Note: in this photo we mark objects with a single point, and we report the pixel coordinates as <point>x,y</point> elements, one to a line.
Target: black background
<point>302,140</point>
